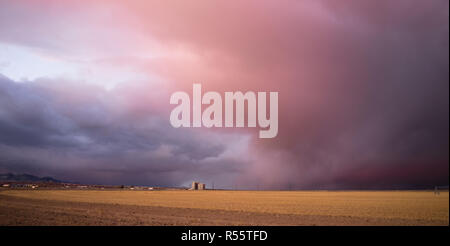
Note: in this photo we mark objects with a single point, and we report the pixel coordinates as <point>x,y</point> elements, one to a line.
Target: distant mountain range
<point>26,177</point>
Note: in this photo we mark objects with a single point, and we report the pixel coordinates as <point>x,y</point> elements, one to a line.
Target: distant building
<point>194,185</point>
<point>198,186</point>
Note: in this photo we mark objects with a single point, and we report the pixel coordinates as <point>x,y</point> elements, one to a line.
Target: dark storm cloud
<point>27,117</point>
<point>90,141</point>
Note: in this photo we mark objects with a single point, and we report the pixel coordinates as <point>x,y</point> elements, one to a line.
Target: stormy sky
<point>363,91</point>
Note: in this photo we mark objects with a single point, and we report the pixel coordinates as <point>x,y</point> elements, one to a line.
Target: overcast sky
<point>363,91</point>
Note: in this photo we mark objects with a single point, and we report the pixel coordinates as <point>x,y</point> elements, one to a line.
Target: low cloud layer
<point>93,139</point>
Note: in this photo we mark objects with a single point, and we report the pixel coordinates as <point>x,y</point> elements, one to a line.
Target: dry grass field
<point>125,207</point>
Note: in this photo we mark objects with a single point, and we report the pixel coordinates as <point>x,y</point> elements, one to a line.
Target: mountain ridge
<point>27,177</point>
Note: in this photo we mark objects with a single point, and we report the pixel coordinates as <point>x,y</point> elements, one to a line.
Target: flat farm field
<point>215,207</point>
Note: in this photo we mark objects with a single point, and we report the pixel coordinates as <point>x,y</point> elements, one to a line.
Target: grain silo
<point>194,186</point>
